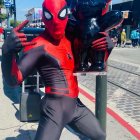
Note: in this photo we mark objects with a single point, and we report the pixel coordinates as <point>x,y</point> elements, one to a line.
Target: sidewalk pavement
<point>12,129</point>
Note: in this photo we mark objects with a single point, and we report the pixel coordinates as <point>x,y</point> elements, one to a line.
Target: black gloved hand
<point>16,40</point>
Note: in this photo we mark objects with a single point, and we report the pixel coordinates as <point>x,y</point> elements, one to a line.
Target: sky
<point>23,6</point>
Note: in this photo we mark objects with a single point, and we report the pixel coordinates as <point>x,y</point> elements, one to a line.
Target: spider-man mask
<point>55,17</point>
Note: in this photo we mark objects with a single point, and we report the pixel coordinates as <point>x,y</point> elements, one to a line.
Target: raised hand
<point>102,42</point>
<point>16,40</point>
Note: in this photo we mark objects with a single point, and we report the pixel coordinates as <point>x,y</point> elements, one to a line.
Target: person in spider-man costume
<point>51,54</point>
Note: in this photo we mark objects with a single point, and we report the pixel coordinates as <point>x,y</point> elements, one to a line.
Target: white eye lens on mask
<point>47,15</point>
<point>63,13</point>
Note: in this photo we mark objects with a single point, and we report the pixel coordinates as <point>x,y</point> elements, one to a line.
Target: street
<point>130,55</point>
<point>11,128</point>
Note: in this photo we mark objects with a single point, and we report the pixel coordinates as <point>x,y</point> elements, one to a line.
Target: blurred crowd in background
<point>119,37</point>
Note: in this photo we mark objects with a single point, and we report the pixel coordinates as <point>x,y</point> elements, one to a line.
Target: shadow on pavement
<point>24,135</point>
<point>13,93</point>
<point>17,114</point>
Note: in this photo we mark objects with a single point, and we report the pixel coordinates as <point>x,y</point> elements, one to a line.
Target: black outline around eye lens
<point>61,11</point>
<point>45,10</point>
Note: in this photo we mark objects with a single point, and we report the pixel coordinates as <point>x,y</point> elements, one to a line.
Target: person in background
<point>138,37</point>
<point>118,38</point>
<point>135,37</point>
<point>123,38</point>
<point>113,36</point>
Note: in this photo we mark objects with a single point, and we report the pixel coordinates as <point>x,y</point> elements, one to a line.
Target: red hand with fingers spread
<point>102,42</point>
<point>102,46</point>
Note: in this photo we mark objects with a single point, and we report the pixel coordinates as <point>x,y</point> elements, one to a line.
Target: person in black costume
<point>92,21</point>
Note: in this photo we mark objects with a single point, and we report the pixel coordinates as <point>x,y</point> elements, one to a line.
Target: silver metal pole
<point>8,17</point>
<point>15,17</point>
<point>110,5</point>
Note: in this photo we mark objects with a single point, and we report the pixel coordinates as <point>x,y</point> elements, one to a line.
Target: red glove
<point>102,42</point>
<point>16,40</point>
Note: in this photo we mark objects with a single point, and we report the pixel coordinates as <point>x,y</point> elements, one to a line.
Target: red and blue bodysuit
<point>55,63</point>
<point>51,54</point>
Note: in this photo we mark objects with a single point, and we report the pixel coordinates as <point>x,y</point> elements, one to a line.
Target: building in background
<point>34,15</point>
<point>131,14</point>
